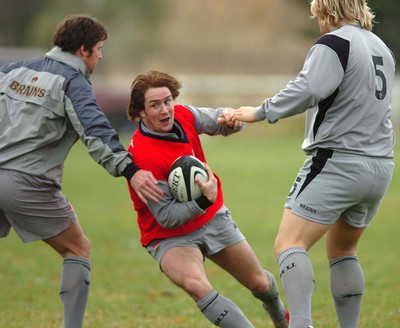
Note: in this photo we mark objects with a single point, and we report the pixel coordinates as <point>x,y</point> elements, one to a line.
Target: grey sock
<point>298,283</point>
<point>271,301</point>
<point>347,287</point>
<point>222,312</point>
<point>74,290</point>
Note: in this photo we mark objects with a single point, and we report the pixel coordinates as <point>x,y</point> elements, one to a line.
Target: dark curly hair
<point>79,30</point>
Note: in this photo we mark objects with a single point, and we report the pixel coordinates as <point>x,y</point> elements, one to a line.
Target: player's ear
<point>82,51</point>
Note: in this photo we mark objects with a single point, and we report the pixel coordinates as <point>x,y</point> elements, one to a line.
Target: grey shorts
<point>219,233</point>
<point>34,207</point>
<point>333,184</point>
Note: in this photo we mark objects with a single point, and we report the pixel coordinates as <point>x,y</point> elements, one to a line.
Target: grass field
<point>257,168</point>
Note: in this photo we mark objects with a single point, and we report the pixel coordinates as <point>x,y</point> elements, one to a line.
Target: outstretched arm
<point>244,114</point>
<point>225,119</point>
<point>214,121</point>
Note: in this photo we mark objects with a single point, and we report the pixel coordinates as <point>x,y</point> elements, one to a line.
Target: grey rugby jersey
<point>346,88</point>
<point>46,104</point>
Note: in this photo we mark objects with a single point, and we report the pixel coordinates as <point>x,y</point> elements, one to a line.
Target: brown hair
<point>336,12</point>
<point>146,81</point>
<point>77,30</point>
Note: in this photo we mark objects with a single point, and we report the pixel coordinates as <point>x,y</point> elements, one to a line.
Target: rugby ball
<point>182,175</point>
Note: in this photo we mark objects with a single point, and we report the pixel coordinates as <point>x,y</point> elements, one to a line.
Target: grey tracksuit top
<point>46,104</point>
<point>346,88</point>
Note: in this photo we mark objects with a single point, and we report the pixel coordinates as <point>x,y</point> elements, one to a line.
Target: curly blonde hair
<point>337,12</point>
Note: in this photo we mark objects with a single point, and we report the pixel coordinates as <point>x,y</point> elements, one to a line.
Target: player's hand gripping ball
<point>182,175</point>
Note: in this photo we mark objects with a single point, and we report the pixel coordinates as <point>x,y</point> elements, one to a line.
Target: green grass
<point>257,168</point>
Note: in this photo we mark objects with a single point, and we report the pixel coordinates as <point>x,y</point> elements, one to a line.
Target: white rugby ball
<point>182,175</point>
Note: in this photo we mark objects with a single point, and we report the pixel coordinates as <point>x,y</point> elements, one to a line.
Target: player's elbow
<point>168,223</point>
<point>171,222</point>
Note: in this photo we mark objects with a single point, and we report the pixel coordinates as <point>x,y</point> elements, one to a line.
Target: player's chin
<point>165,127</point>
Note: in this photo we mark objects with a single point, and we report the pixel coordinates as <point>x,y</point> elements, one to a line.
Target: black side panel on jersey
<point>342,49</point>
<point>318,163</point>
<point>323,107</point>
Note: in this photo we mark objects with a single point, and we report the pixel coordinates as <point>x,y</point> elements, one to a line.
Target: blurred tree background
<point>197,36</point>
<point>388,26</point>
<point>227,52</point>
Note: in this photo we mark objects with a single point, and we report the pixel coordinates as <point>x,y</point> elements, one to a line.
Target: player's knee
<point>78,247</point>
<point>280,246</point>
<point>259,284</point>
<point>195,287</point>
<point>85,247</point>
<point>277,248</point>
